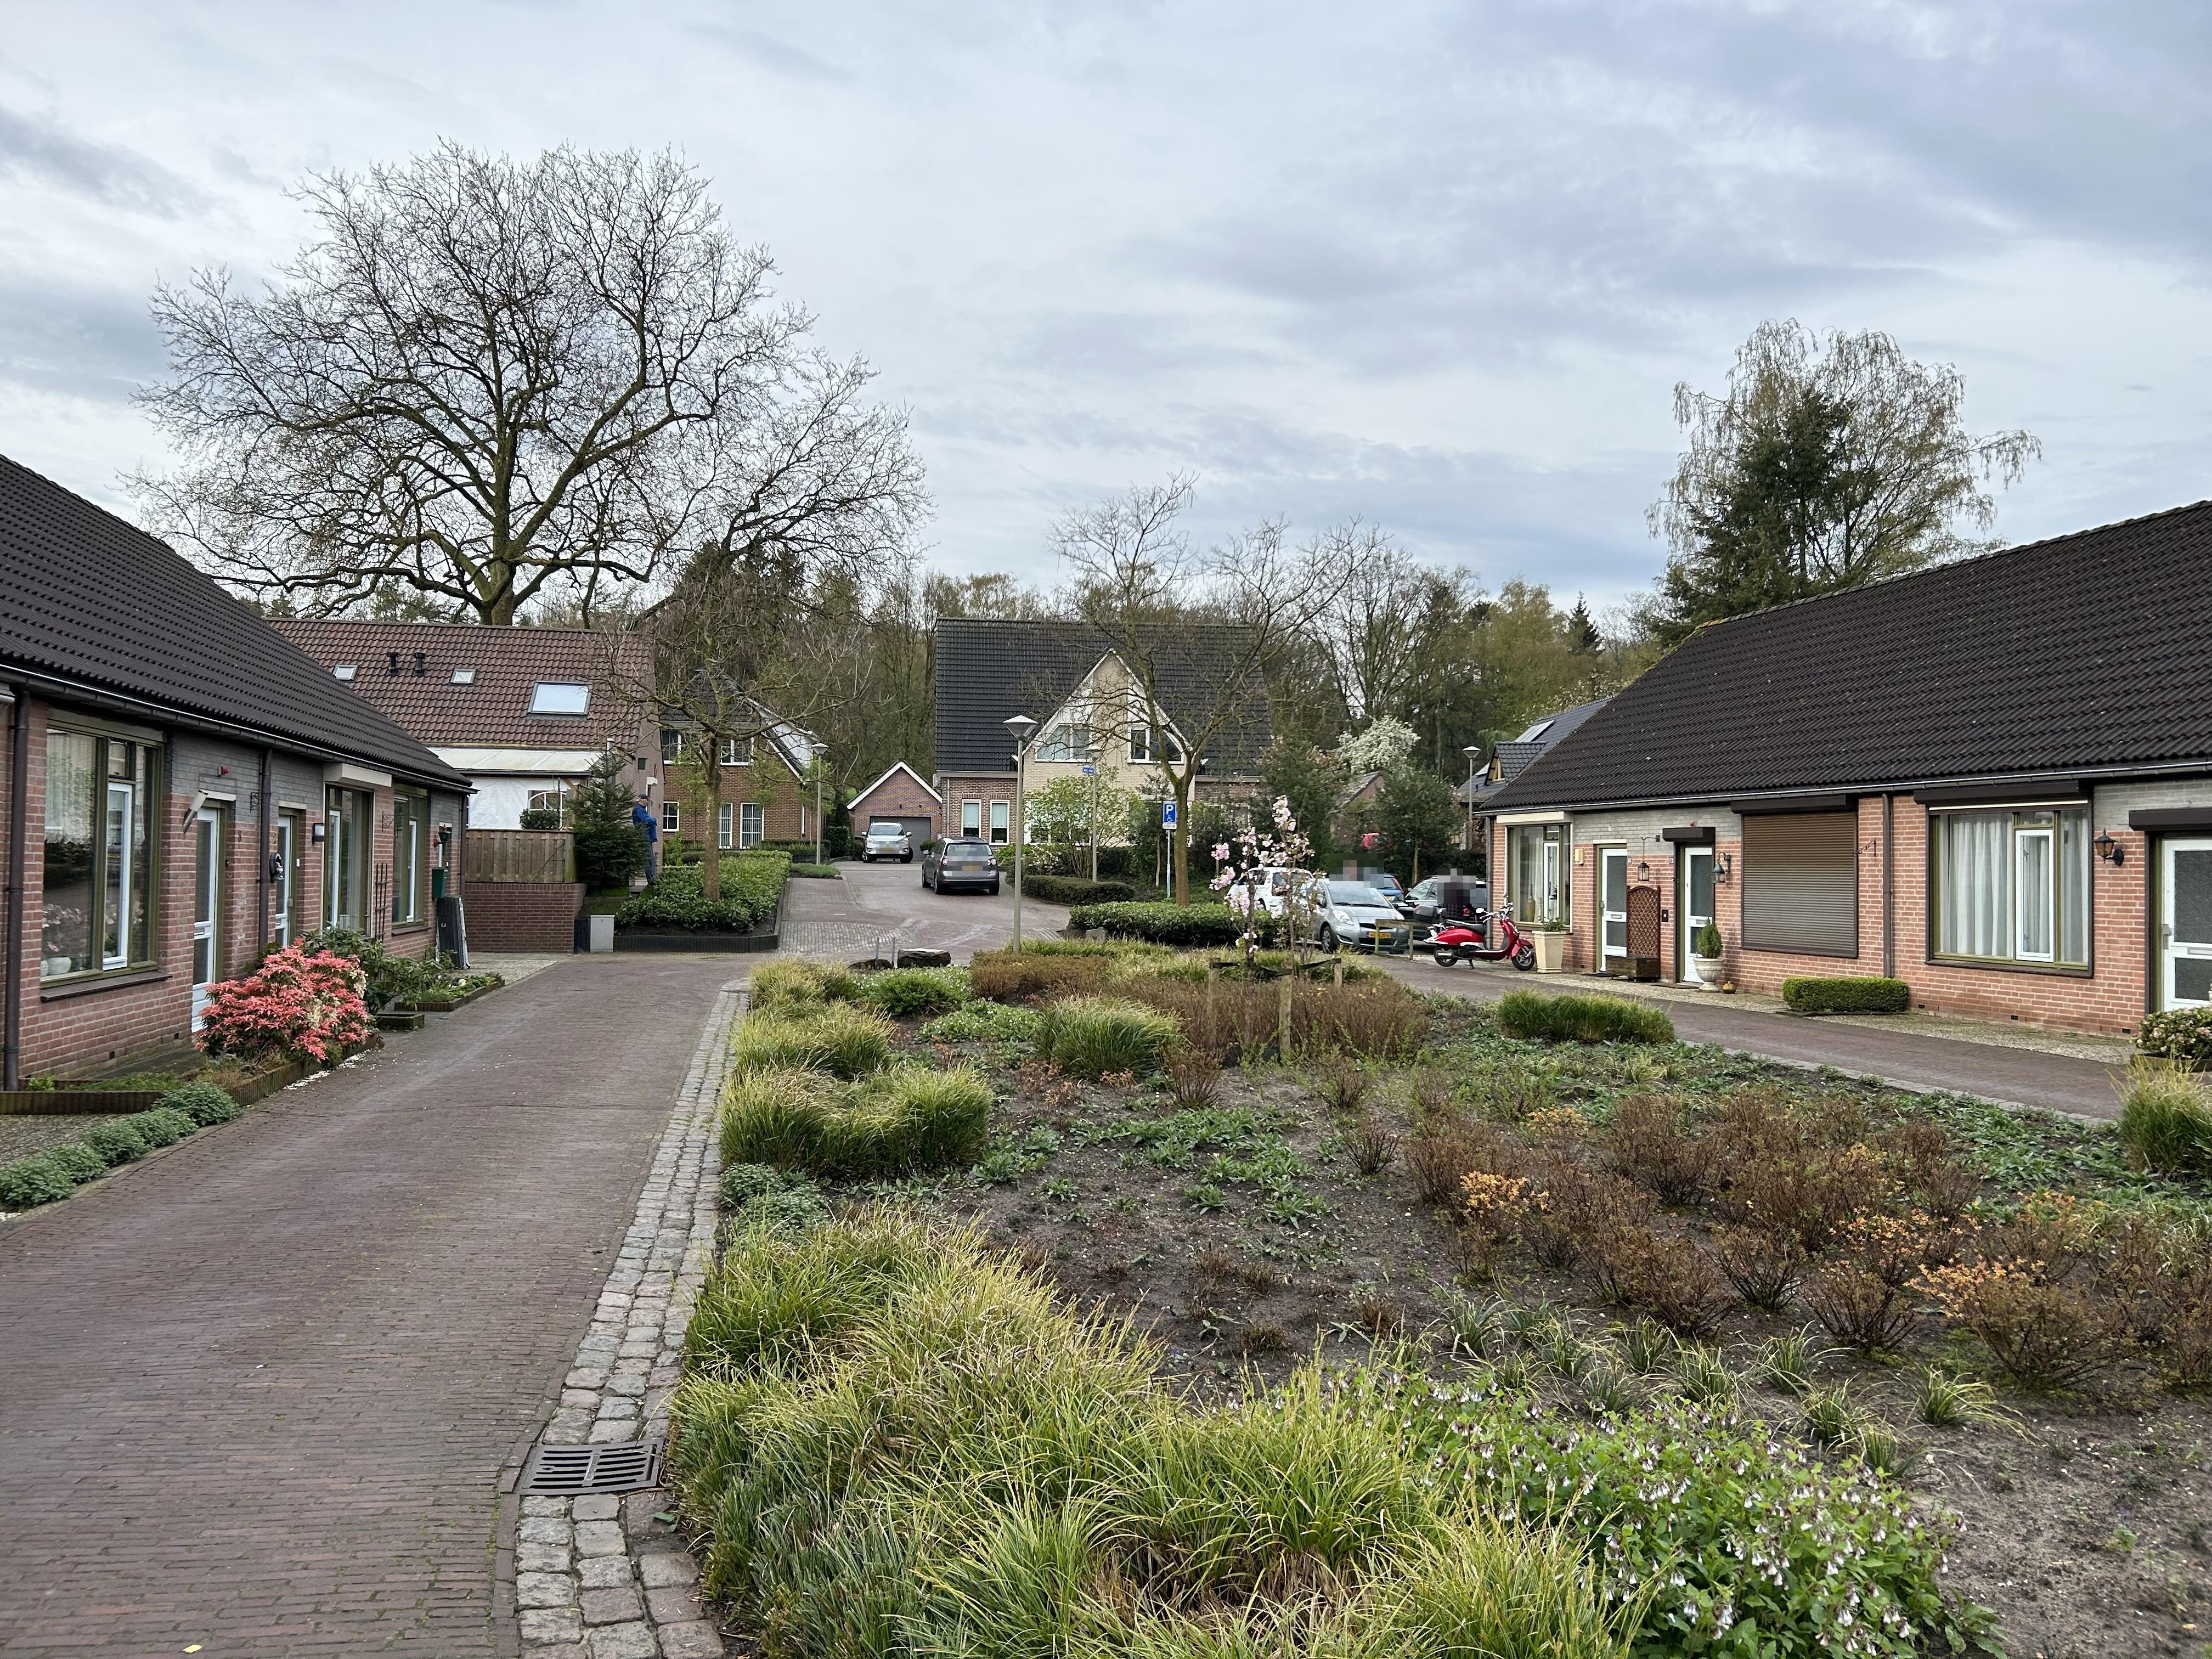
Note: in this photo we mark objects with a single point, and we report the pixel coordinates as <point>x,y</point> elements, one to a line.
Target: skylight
<point>465,677</point>
<point>345,670</point>
<point>554,697</point>
<point>1533,732</point>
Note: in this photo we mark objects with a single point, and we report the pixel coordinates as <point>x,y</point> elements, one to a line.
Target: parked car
<point>1425,902</point>
<point>1278,887</point>
<point>955,863</point>
<point>1354,911</point>
<point>1387,884</point>
<point>887,840</point>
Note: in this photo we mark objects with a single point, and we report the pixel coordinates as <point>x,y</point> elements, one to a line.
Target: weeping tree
<point>487,387</point>
<point>1829,461</point>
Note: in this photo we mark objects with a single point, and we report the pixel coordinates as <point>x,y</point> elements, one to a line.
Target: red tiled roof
<point>493,712</point>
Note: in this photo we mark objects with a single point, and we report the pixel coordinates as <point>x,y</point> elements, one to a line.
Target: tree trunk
<point>1179,866</point>
<point>710,870</point>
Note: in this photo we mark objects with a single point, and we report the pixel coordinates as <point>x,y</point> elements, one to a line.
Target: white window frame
<point>1068,740</point>
<point>723,815</point>
<point>2011,919</point>
<point>547,697</point>
<point>737,751</point>
<point>672,819</point>
<point>752,826</point>
<point>1002,819</point>
<point>971,820</point>
<point>2022,918</point>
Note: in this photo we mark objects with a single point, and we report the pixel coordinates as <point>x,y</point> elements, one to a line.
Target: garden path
<point>261,1394</point>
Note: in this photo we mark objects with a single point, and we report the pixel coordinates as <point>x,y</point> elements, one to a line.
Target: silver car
<point>887,840</point>
<point>1355,914</point>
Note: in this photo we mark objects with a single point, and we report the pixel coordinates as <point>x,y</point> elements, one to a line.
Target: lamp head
<point>1021,726</point>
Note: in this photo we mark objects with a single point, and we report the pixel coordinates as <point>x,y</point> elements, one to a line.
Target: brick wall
<point>899,796</point>
<point>985,789</point>
<point>522,915</point>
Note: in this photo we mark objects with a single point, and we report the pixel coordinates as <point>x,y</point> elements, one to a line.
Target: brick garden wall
<point>522,915</point>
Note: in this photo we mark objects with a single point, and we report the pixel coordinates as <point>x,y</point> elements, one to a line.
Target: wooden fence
<point>521,856</point>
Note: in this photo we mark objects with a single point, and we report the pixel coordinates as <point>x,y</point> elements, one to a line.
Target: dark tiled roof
<point>86,597</point>
<point>1515,757</point>
<point>986,671</point>
<point>2086,651</point>
<point>494,711</point>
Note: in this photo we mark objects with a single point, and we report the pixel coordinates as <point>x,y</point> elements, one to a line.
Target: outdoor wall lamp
<point>1723,866</point>
<point>2109,849</point>
<point>1643,870</point>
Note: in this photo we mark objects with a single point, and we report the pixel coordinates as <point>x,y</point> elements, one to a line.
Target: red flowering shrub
<point>309,1008</point>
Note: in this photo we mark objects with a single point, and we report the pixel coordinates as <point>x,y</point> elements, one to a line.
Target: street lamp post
<point>819,752</point>
<point>1466,830</point>
<point>1020,726</point>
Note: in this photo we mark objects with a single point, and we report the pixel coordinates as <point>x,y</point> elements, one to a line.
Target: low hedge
<point>51,1175</point>
<point>1186,926</point>
<point>1860,995</point>
<point>1076,890</point>
<point>751,883</point>
<point>1574,1018</point>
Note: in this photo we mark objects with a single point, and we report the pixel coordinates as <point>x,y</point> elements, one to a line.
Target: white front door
<point>207,906</point>
<point>1613,904</point>
<point>1694,905</point>
<point>281,882</point>
<point>2184,971</point>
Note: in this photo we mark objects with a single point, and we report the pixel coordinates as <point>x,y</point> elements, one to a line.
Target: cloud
<point>772,52</point>
<point>43,152</point>
<point>89,342</point>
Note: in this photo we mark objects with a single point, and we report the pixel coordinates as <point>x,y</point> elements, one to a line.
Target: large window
<point>410,860</point>
<point>2013,885</point>
<point>1147,742</point>
<point>101,795</point>
<point>1000,817</point>
<point>971,819</point>
<point>1068,738</point>
<point>749,825</point>
<point>722,832</point>
<point>346,815</point>
<point>1536,861</point>
<point>559,698</point>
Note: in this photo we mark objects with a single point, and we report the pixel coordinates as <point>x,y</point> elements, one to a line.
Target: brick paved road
<point>258,1394</point>
<point>844,919</point>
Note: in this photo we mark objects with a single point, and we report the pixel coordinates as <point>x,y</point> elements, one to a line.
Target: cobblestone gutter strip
<point>598,1577</point>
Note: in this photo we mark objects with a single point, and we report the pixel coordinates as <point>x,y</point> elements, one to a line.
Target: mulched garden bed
<point>1252,1216</point>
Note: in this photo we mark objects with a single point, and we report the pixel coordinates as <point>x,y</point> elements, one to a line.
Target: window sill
<point>398,928</point>
<point>86,985</point>
<point>2005,965</point>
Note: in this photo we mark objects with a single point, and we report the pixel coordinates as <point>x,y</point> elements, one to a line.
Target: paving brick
<point>695,1640</point>
<point>610,1606</point>
<point>623,1642</point>
<point>661,1568</point>
<point>266,1387</point>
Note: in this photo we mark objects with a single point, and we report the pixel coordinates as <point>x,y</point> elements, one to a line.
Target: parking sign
<point>1167,815</point>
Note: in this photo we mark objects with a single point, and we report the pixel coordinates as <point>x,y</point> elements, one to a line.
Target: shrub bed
<point>1574,1017</point>
<point>1093,1037</point>
<point>1858,995</point>
<point>1077,890</point>
<point>843,1041</point>
<point>46,1176</point>
<point>903,992</point>
<point>2179,1034</point>
<point>751,883</point>
<point>912,1117</point>
<point>1184,926</point>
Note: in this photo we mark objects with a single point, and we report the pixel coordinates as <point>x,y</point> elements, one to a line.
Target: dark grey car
<point>951,865</point>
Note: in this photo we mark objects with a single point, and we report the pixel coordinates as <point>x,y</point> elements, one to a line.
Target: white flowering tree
<point>1237,879</point>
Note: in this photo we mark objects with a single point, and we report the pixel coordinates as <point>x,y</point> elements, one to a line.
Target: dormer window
<point>345,670</point>
<point>558,697</point>
<point>465,677</point>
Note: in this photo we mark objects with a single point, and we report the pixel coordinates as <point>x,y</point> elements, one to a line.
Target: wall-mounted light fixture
<point>1723,866</point>
<point>1643,870</point>
<point>2109,849</point>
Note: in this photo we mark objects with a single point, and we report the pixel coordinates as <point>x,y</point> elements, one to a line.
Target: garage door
<point>917,828</point>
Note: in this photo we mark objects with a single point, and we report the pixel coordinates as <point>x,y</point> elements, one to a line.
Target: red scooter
<point>1469,941</point>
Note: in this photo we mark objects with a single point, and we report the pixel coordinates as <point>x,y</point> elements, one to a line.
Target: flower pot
<point>1708,971</point>
<point>1551,952</point>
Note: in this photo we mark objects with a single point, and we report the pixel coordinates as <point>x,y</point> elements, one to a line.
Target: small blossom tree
<point>1237,878</point>
<point>305,1006</point>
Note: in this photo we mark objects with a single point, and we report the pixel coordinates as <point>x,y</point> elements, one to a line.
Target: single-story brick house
<point>1509,760</point>
<point>181,788</point>
<point>1991,779</point>
<point>901,797</point>
<point>1067,677</point>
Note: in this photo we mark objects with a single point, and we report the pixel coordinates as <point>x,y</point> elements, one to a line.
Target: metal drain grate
<point>570,1470</point>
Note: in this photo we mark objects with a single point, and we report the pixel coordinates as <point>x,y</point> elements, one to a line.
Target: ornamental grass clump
<point>912,1117</point>
<point>2166,1119</point>
<point>1574,1017</point>
<point>1090,1036</point>
<point>301,1005</point>
<point>899,1444</point>
<point>903,993</point>
<point>843,1041</point>
<point>985,1022</point>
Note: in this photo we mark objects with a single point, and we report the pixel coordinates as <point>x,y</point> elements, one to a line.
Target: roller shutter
<point>1800,883</point>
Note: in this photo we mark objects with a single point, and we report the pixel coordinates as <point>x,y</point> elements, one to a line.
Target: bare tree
<point>1371,633</point>
<point>1196,630</point>
<point>495,384</point>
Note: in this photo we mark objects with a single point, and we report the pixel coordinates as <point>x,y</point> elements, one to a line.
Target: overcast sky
<point>1438,266</point>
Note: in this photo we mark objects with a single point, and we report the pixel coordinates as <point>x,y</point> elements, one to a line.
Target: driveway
<point>2014,1073</point>
<point>844,919</point>
<point>258,1394</point>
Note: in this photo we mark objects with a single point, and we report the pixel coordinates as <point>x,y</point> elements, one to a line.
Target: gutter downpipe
<point>1889,885</point>
<point>19,798</point>
<point>262,821</point>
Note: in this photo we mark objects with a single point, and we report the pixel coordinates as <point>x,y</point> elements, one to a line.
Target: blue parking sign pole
<point>1168,823</point>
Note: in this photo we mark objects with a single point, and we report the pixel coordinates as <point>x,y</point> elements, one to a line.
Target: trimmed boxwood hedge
<point>1186,926</point>
<point>1077,890</point>
<point>1574,1017</point>
<point>1860,995</point>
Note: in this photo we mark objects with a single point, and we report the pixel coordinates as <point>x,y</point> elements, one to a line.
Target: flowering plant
<point>1237,877</point>
<point>309,1006</point>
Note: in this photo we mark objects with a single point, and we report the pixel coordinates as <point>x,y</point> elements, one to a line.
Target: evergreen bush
<point>30,1182</point>
<point>1859,995</point>
<point>203,1102</point>
<point>1574,1017</point>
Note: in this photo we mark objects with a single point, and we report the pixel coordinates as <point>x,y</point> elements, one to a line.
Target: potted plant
<point>1550,938</point>
<point>1705,957</point>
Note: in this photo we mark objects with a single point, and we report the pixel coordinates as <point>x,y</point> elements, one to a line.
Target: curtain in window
<point>749,826</point>
<point>71,757</point>
<point>1974,865</point>
<point>2074,887</point>
<point>722,831</point>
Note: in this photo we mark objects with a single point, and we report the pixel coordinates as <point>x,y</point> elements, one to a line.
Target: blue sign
<point>1167,815</point>
<point>1090,771</point>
